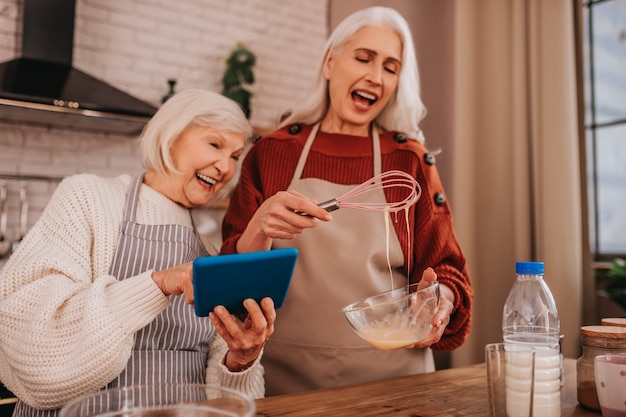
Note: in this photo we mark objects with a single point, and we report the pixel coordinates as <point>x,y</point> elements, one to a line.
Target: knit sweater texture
<point>67,326</point>
<point>345,159</point>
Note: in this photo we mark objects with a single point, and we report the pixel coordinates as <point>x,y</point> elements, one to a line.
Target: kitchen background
<point>136,46</point>
<point>483,101</point>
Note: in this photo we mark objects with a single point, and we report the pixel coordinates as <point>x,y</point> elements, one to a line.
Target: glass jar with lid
<point>614,321</point>
<point>595,340</point>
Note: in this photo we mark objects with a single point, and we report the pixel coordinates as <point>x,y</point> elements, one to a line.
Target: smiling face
<point>206,160</point>
<point>362,77</point>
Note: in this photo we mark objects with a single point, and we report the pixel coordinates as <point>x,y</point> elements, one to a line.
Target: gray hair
<point>405,109</point>
<point>193,107</point>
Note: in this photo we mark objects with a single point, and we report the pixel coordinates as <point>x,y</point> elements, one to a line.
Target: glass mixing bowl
<point>162,400</point>
<point>396,318</point>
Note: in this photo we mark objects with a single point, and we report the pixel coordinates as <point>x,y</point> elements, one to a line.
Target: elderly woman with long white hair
<point>360,119</point>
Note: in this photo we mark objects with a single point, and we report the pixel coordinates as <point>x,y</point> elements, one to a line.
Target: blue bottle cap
<point>529,268</point>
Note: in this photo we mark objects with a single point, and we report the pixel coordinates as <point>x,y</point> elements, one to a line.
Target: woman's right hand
<point>280,217</point>
<point>176,281</point>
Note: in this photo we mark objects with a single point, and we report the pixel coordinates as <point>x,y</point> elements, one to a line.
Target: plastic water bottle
<point>530,317</point>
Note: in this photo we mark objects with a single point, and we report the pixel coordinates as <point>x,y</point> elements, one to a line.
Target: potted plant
<point>613,284</point>
<point>239,73</point>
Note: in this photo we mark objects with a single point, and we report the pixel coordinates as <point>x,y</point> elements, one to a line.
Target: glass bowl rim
<point>389,297</point>
<point>240,395</point>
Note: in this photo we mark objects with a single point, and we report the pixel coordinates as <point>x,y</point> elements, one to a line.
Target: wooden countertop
<point>450,392</point>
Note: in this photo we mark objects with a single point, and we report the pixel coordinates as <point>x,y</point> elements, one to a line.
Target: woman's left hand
<point>442,316</point>
<point>245,339</point>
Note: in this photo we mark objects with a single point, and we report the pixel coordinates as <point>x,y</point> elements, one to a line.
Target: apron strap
<point>376,145</point>
<point>305,152</point>
<point>130,210</point>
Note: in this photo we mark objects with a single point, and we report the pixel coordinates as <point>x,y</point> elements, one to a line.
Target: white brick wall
<point>137,45</point>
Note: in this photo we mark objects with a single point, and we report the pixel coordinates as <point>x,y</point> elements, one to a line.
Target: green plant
<point>615,277</point>
<point>238,73</point>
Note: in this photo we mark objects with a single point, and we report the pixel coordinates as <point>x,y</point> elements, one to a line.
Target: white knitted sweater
<point>66,326</point>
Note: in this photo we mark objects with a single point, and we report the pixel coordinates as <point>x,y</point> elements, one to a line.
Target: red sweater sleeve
<point>269,167</point>
<point>436,246</point>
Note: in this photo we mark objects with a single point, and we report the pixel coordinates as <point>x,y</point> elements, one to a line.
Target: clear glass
<point>163,400</point>
<point>510,379</point>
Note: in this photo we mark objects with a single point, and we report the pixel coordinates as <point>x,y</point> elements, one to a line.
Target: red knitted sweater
<point>344,159</point>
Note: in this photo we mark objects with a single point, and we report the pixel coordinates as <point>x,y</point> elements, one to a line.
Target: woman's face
<point>206,159</point>
<point>362,76</point>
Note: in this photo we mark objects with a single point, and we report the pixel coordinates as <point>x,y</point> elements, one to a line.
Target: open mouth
<point>206,181</point>
<point>364,99</point>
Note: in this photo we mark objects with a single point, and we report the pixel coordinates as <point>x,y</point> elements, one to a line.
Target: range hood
<point>42,86</point>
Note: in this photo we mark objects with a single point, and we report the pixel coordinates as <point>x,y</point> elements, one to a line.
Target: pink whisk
<point>387,179</point>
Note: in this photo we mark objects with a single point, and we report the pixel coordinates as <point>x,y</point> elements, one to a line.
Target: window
<point>605,124</point>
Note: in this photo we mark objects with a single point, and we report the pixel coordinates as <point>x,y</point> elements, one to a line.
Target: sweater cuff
<point>136,301</point>
<point>246,380</point>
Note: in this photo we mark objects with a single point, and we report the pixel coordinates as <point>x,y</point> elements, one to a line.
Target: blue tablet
<point>229,279</point>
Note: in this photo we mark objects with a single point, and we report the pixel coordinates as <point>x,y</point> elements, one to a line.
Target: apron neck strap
<point>131,198</point>
<point>130,210</point>
<point>376,145</point>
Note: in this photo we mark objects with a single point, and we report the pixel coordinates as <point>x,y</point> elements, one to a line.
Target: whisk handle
<point>330,205</point>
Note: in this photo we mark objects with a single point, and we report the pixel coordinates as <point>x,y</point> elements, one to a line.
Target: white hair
<point>193,107</point>
<point>405,109</point>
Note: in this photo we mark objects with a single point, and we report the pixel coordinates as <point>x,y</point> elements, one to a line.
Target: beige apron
<point>313,345</point>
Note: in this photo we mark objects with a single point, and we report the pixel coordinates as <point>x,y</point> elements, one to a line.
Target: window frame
<point>590,128</point>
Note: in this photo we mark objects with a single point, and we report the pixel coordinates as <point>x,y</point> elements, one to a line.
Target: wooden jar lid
<point>607,332</point>
<point>614,321</point>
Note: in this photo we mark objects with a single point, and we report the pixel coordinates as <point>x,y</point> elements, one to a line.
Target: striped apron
<point>174,346</point>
